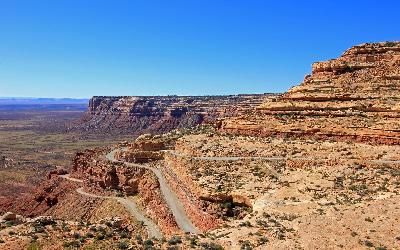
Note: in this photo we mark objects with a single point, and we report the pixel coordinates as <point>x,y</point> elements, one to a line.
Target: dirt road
<point>130,205</point>
<point>170,197</point>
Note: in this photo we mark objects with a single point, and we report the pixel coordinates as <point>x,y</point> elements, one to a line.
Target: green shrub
<point>89,235</point>
<point>193,242</point>
<point>101,229</point>
<point>65,228</point>
<point>123,245</point>
<point>369,219</point>
<point>109,235</point>
<point>175,240</point>
<point>390,44</point>
<point>100,236</point>
<point>39,229</point>
<point>76,235</point>
<point>245,224</point>
<point>148,242</point>
<point>262,240</point>
<point>368,243</point>
<point>33,246</point>
<point>246,245</point>
<point>72,244</point>
<point>173,248</point>
<point>9,223</point>
<point>124,234</point>
<point>211,246</point>
<point>139,238</point>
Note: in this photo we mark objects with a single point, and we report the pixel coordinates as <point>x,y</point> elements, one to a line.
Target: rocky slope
<point>97,172</point>
<point>303,193</point>
<point>354,97</point>
<point>158,114</point>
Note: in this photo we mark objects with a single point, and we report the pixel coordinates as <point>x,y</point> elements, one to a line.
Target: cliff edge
<point>354,97</point>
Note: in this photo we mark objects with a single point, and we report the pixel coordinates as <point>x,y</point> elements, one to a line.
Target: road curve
<point>386,161</point>
<point>268,158</point>
<point>232,158</point>
<point>152,228</point>
<point>173,202</point>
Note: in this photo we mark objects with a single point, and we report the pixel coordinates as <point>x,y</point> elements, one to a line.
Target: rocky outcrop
<point>158,114</point>
<point>92,167</point>
<point>140,156</point>
<point>355,97</point>
<point>145,148</point>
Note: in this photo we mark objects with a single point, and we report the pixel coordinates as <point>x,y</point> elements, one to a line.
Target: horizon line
<point>182,95</point>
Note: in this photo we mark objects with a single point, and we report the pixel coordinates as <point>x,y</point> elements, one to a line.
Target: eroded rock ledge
<point>159,114</point>
<point>354,97</point>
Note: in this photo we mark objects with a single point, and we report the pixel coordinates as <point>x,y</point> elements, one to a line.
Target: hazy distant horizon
<point>33,97</point>
<point>88,98</point>
<point>5,101</point>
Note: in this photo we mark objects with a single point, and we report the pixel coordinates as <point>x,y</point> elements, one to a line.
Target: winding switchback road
<point>130,205</point>
<point>234,158</point>
<point>170,197</point>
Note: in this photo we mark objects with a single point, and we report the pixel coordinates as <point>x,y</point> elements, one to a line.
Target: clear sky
<point>81,48</point>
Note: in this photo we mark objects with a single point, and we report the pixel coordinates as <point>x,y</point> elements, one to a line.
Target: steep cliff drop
<point>354,97</point>
<point>136,115</point>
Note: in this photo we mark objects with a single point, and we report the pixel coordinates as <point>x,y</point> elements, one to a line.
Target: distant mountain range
<point>40,101</point>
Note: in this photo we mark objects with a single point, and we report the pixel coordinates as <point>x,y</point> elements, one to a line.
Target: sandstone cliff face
<point>158,114</point>
<point>354,97</point>
<point>145,148</point>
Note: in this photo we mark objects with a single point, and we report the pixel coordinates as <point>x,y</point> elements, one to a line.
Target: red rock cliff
<point>354,97</point>
<point>158,114</point>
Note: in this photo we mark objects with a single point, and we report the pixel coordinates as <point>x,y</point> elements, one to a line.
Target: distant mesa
<point>159,114</point>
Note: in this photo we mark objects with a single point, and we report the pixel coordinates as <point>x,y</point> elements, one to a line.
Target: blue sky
<point>81,48</point>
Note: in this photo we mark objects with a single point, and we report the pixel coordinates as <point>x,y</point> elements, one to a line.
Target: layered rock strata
<point>158,114</point>
<point>207,210</point>
<point>355,97</point>
<point>97,171</point>
<point>144,149</point>
<point>151,149</point>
